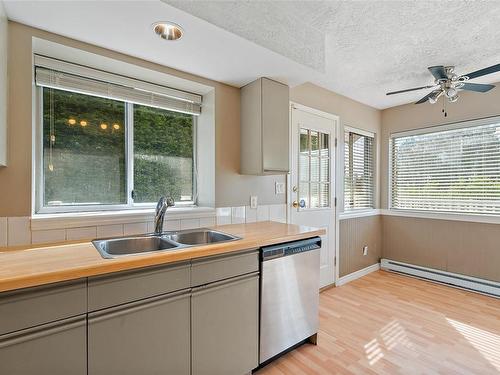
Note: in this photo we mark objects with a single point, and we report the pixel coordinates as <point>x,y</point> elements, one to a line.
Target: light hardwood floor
<point>385,323</point>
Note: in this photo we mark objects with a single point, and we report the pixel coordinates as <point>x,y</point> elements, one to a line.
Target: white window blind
<point>81,79</point>
<point>452,170</point>
<point>358,171</point>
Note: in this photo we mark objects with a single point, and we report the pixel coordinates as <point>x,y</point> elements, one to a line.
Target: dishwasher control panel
<point>290,248</point>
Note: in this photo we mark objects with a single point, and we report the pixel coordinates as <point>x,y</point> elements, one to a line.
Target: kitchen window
<point>359,164</point>
<point>114,144</point>
<point>453,168</point>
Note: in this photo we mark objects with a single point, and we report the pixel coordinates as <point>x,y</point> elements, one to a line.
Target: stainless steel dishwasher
<point>289,296</point>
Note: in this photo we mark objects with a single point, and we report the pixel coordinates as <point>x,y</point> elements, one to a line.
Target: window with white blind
<point>359,170</point>
<point>453,168</point>
<point>111,142</point>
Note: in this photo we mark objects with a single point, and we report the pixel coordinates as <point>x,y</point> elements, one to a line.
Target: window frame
<point>424,131</point>
<point>372,135</point>
<point>37,194</point>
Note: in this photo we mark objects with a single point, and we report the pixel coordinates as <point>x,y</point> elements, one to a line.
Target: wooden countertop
<point>35,265</point>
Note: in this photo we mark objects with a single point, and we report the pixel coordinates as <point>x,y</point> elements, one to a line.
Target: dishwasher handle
<point>290,248</point>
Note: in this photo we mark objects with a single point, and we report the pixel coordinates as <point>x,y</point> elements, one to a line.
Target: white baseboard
<point>469,283</point>
<point>356,275</point>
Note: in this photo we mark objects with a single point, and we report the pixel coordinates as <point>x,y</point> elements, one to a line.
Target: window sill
<point>473,218</point>
<point>86,219</point>
<point>358,213</point>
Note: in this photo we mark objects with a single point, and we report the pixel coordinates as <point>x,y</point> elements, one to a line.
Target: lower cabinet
<point>57,348</point>
<point>225,327</point>
<point>147,337</point>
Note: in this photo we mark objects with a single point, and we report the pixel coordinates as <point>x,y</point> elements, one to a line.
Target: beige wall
<point>3,85</point>
<point>354,234</point>
<point>232,189</point>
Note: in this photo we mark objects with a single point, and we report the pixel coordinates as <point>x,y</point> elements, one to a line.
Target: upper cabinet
<point>3,86</point>
<point>265,128</point>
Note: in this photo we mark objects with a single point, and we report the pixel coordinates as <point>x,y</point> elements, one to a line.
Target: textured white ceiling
<point>360,49</point>
<point>366,48</point>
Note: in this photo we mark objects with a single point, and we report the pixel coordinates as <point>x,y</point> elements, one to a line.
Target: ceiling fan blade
<point>477,87</point>
<point>438,72</point>
<point>484,71</point>
<point>413,89</point>
<point>425,98</point>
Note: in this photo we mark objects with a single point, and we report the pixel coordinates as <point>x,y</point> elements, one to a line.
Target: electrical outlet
<point>365,250</point>
<point>280,188</point>
<point>253,201</point>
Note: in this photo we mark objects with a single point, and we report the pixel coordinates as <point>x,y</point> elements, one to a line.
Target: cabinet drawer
<point>116,289</point>
<point>29,307</point>
<point>217,268</point>
<point>148,337</point>
<point>57,348</point>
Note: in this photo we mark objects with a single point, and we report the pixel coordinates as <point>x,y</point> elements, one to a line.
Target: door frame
<point>337,186</point>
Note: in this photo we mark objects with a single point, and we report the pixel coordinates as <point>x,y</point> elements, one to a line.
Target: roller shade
<point>76,78</point>
<point>454,170</point>
<point>358,171</point>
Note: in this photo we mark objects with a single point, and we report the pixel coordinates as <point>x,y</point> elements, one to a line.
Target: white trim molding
<point>359,213</point>
<point>356,275</point>
<point>473,218</point>
<point>359,131</point>
<point>474,284</point>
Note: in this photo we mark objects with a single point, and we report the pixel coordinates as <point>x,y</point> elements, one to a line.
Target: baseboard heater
<point>474,284</point>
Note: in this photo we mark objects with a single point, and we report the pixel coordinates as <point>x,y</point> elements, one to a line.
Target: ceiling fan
<point>448,84</point>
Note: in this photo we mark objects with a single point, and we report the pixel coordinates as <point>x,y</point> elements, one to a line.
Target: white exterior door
<point>312,185</point>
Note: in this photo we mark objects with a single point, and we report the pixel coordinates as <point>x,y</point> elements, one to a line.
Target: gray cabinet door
<point>224,327</point>
<point>275,126</point>
<point>145,337</point>
<point>57,348</point>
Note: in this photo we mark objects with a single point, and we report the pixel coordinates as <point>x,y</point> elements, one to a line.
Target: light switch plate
<point>253,201</point>
<point>280,188</point>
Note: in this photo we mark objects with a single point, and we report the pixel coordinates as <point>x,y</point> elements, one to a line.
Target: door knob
<point>301,204</point>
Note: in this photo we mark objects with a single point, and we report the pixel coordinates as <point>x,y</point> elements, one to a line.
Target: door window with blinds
<point>314,169</point>
<point>358,170</point>
<point>453,168</point>
<point>111,142</point>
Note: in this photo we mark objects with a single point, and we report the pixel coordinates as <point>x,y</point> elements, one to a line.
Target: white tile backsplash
<point>250,214</point>
<point>87,233</point>
<point>223,215</point>
<point>3,231</point>
<point>190,223</point>
<point>262,213</point>
<point>207,222</point>
<point>277,212</point>
<point>238,215</point>
<point>112,230</point>
<point>18,231</point>
<point>131,229</point>
<point>49,235</point>
<point>169,225</point>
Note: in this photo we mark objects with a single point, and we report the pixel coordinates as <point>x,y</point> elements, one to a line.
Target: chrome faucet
<point>161,209</point>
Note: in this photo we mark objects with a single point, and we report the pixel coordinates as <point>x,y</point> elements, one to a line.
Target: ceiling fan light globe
<point>453,99</point>
<point>432,100</point>
<point>451,92</point>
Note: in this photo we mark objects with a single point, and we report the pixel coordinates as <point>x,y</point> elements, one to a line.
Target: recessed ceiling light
<point>168,30</point>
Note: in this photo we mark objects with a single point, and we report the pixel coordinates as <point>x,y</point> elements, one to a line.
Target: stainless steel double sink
<point>167,241</point>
